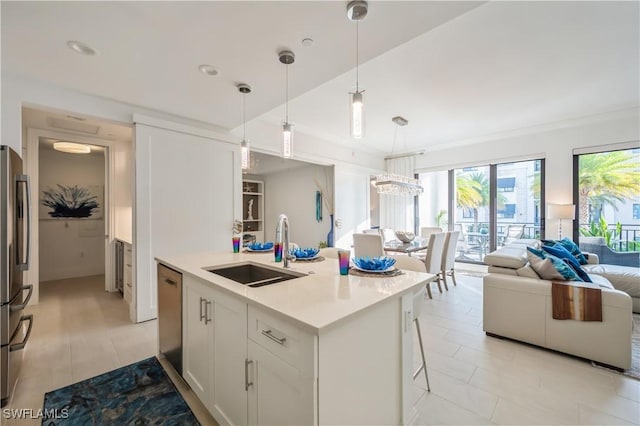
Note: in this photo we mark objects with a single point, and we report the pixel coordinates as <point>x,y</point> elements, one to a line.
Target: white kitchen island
<point>319,349</point>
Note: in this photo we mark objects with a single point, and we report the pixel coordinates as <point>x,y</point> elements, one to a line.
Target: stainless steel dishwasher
<point>170,315</point>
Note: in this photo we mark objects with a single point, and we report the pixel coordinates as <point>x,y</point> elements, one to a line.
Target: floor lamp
<point>561,212</point>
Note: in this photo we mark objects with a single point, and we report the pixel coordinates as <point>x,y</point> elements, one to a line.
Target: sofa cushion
<point>527,271</point>
<point>531,242</point>
<point>549,267</point>
<point>570,246</point>
<point>623,278</point>
<point>601,281</point>
<point>562,253</point>
<point>511,256</point>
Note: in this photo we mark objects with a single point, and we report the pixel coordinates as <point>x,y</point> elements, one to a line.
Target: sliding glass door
<point>490,205</point>
<point>607,194</point>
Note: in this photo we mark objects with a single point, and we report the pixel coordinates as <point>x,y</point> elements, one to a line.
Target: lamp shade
<point>561,211</point>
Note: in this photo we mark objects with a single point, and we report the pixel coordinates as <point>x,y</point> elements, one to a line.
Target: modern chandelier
<point>287,57</point>
<point>393,183</point>
<point>357,11</point>
<point>245,149</point>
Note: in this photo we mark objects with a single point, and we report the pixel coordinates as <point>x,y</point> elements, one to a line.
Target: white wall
<point>554,144</point>
<point>293,192</point>
<point>75,247</point>
<point>352,203</point>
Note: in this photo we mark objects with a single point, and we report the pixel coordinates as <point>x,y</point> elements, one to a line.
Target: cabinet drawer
<point>291,344</point>
<point>127,255</point>
<point>126,292</point>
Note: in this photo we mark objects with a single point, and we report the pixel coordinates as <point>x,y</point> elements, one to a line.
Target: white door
<point>188,190</point>
<point>197,351</point>
<point>230,395</point>
<point>279,394</point>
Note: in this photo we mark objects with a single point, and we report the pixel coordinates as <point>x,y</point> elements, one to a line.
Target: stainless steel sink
<point>254,275</point>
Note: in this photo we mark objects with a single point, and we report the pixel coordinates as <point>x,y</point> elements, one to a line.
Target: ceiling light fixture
<point>287,57</point>
<point>357,11</point>
<point>71,148</point>
<point>209,70</point>
<point>393,183</point>
<point>245,153</point>
<point>80,47</point>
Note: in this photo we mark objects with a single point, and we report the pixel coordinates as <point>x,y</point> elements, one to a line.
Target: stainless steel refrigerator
<point>15,230</point>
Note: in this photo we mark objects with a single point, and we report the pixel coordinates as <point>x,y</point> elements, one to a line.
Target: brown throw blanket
<point>576,300</point>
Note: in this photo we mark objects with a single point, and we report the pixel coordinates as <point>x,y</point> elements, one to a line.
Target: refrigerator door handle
<point>24,266</point>
<point>24,304</point>
<point>22,344</point>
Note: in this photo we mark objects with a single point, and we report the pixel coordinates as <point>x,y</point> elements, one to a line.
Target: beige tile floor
<point>81,331</point>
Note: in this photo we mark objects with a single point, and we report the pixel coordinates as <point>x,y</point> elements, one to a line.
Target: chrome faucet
<point>282,230</point>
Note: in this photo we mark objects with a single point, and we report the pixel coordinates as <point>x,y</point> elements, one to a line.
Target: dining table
<point>397,246</point>
<point>479,240</point>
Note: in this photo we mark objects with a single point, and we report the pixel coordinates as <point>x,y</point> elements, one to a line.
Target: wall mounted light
<point>245,149</point>
<point>287,57</point>
<point>71,148</point>
<point>357,11</point>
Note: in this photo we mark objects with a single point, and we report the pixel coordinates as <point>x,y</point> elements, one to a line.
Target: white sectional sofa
<point>517,305</point>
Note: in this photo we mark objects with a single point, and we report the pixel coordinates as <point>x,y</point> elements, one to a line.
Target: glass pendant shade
<point>357,115</point>
<point>245,155</point>
<point>287,140</point>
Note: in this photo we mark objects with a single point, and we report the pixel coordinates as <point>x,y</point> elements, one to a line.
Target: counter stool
<point>418,299</point>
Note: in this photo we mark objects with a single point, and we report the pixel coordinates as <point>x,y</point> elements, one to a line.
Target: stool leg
<point>423,366</point>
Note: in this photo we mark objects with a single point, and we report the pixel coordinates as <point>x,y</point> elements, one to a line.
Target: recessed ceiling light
<point>72,148</point>
<point>209,70</point>
<point>80,47</point>
<point>307,42</point>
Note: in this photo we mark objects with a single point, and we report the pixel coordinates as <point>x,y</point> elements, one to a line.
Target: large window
<point>491,205</point>
<point>607,194</point>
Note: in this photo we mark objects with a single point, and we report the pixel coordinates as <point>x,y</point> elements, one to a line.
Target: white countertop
<point>315,301</point>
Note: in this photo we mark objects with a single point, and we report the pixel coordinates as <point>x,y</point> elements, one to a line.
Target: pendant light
<point>357,11</point>
<point>287,57</point>
<point>245,152</point>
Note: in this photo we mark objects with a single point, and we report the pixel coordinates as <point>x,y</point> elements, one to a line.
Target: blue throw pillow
<point>562,253</point>
<point>540,260</point>
<point>570,246</point>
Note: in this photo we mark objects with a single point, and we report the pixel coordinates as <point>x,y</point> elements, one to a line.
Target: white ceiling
<point>455,70</point>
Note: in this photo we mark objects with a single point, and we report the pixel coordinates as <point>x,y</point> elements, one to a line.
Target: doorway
<point>72,210</point>
<point>75,246</point>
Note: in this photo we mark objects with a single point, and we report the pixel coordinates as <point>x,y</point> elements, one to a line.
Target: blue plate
<point>382,263</point>
<point>260,246</point>
<point>304,253</point>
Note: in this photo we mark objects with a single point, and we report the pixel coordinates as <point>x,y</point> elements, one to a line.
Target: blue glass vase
<point>330,234</point>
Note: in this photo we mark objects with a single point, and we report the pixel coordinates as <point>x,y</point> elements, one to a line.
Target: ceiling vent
<point>74,126</point>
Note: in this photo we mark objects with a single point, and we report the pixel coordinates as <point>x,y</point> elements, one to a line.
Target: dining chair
<point>449,257</point>
<point>329,252</point>
<point>426,231</point>
<point>433,261</point>
<point>388,234</point>
<point>367,245</point>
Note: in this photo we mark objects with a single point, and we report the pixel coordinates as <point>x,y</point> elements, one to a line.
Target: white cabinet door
<point>279,394</point>
<point>230,395</point>
<point>198,358</point>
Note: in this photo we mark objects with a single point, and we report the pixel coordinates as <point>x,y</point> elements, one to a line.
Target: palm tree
<point>607,178</point>
<point>472,192</point>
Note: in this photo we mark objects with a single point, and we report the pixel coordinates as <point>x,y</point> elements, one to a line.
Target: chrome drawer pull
<point>202,315</point>
<point>247,383</point>
<point>167,280</point>
<point>270,335</point>
<point>207,314</point>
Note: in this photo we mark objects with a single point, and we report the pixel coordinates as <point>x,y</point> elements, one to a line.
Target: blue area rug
<point>138,394</point>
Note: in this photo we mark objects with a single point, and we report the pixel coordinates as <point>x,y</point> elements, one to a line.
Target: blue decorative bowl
<point>374,264</point>
<point>260,246</point>
<point>304,253</point>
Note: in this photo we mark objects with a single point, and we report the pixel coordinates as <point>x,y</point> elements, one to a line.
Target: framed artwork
<point>71,202</point>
